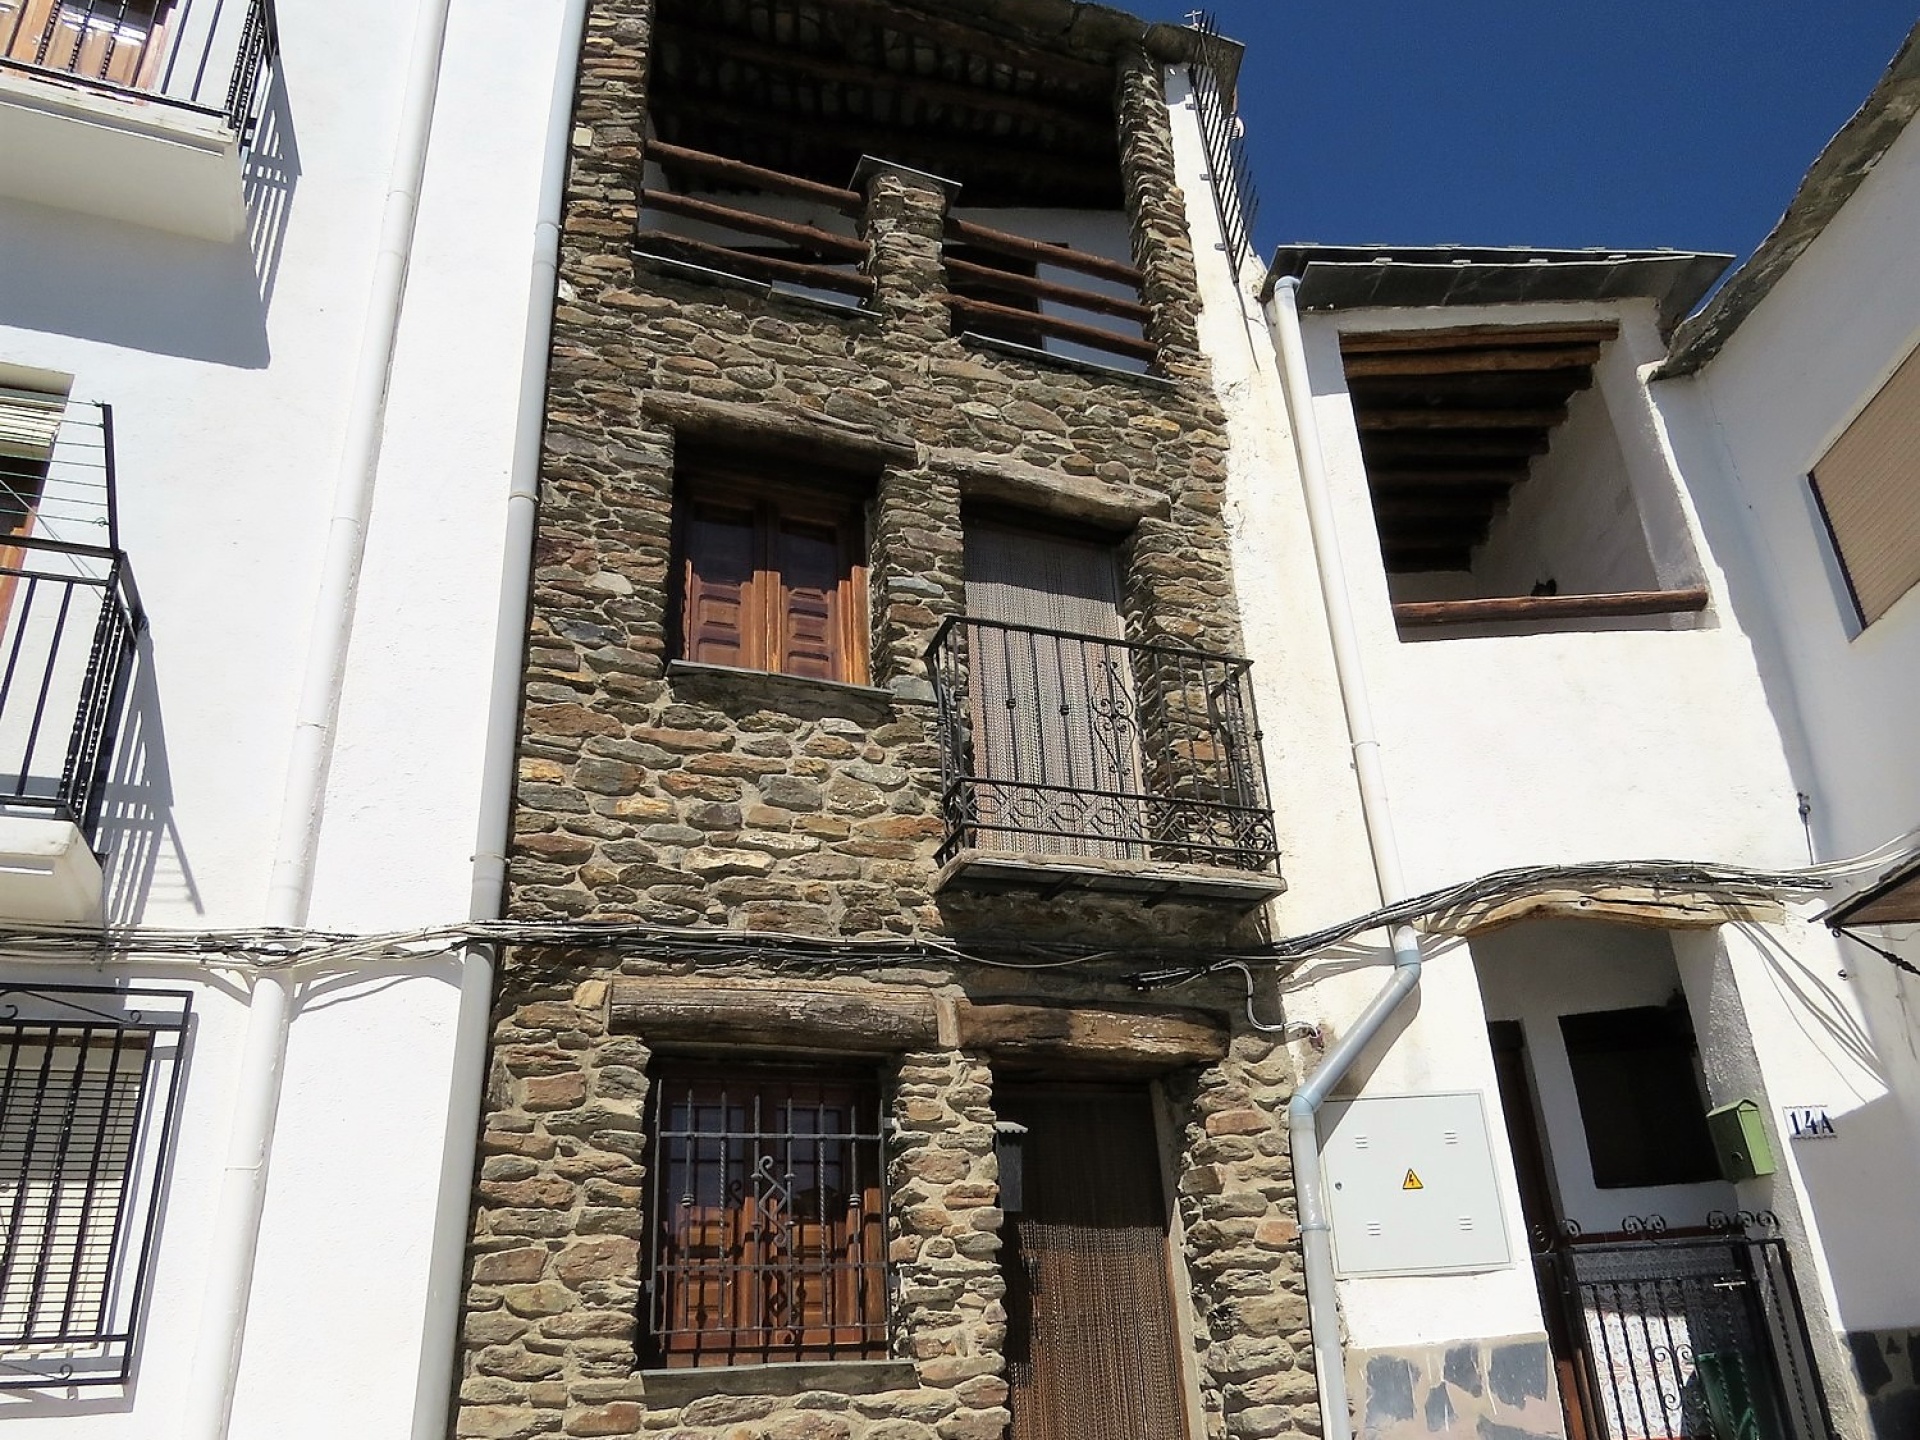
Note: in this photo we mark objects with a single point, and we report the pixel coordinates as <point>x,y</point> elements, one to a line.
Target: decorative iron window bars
<point>196,55</point>
<point>70,617</point>
<point>1686,1334</point>
<point>1078,745</point>
<point>1235,199</point>
<point>766,1217</point>
<point>89,1085</point>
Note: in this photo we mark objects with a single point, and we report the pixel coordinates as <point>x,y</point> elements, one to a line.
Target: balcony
<point>69,621</point>
<point>136,110</point>
<point>1076,762</point>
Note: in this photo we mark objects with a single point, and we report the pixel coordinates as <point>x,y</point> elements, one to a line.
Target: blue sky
<point>1629,123</point>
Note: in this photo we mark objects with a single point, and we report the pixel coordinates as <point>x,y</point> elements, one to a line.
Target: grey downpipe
<point>1309,1178</point>
<point>446,1265</point>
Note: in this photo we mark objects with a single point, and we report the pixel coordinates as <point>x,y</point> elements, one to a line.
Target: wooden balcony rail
<point>1509,608</point>
<point>825,254</point>
<point>992,317</point>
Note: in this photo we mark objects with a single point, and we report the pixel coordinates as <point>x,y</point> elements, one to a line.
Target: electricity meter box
<point>1411,1187</point>
<point>1739,1134</point>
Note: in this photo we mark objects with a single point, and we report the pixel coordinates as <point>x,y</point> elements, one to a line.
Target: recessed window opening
<point>771,569</point>
<point>1498,483</point>
<point>766,1216</point>
<point>1636,1073</point>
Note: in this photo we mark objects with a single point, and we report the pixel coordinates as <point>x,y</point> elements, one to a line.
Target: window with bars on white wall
<point>88,1081</point>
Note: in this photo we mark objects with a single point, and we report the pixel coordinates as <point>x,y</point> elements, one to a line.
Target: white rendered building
<point>1505,612</point>
<point>263,314</point>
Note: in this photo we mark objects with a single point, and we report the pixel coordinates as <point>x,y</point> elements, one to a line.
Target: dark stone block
<point>1440,1411</point>
<point>1871,1366</point>
<point>1462,1368</point>
<point>1518,1373</point>
<point>1389,1390</point>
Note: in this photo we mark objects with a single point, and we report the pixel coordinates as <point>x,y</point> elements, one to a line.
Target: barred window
<point>766,1217</point>
<point>86,1100</point>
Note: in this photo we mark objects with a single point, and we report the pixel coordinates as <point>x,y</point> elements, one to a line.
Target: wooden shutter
<point>1054,718</point>
<point>1868,486</point>
<point>722,561</point>
<point>773,581</point>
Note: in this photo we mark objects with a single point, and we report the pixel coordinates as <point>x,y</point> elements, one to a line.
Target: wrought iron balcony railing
<point>206,56</point>
<point>69,620</point>
<point>1061,745</point>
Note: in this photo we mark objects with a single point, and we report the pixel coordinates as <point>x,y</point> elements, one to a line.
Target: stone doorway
<point>1092,1352</point>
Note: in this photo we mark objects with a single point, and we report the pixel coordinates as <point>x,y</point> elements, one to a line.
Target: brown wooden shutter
<point>723,619</point>
<point>1868,485</point>
<point>773,580</point>
<point>813,598</point>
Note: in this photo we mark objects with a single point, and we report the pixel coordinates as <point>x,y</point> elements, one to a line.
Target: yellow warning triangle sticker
<point>1412,1182</point>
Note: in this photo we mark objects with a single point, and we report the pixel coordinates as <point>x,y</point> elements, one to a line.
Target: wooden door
<point>1092,1351</point>
<point>1056,742</point>
<point>1541,1211</point>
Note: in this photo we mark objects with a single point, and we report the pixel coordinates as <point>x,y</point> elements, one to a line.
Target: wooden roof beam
<point>982,44</point>
<point>1440,418</point>
<point>950,155</point>
<point>1473,362</point>
<point>1449,445</point>
<point>927,88</point>
<point>1493,337</point>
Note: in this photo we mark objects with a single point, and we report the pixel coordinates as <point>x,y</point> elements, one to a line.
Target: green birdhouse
<point>1740,1140</point>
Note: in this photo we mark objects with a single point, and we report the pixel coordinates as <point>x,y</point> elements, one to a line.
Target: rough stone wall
<point>557,1264</point>
<point>762,803</point>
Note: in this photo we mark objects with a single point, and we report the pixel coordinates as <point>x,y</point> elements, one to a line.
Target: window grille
<point>767,1218</point>
<point>88,1083</point>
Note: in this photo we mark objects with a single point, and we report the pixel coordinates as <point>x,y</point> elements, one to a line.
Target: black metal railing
<point>1080,745</point>
<point>1235,199</point>
<point>1694,1335</point>
<point>89,1084</point>
<point>70,618</point>
<point>200,55</point>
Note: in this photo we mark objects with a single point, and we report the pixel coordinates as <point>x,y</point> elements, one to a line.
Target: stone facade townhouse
<point>882,701</point>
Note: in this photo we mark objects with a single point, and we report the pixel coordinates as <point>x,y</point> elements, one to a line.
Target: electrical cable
<point>1151,965</point>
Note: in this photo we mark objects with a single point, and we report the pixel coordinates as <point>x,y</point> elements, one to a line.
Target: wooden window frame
<point>775,494</point>
<point>753,1279</point>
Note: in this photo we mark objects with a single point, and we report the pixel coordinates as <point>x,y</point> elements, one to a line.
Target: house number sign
<point>1809,1122</point>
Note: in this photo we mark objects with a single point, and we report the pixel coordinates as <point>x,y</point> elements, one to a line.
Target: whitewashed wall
<point>1596,744</point>
<point>1790,379</point>
<point>228,368</point>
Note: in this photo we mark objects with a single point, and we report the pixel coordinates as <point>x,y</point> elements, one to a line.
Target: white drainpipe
<point>440,1330</point>
<point>236,1229</point>
<point>1309,1178</point>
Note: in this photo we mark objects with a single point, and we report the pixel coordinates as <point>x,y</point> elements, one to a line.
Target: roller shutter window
<point>1868,486</point>
<point>772,577</point>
